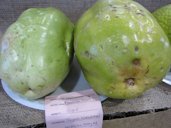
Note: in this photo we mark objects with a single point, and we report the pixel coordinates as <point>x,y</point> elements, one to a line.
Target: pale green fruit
<point>36,52</point>
<point>121,48</point>
<point>163,16</point>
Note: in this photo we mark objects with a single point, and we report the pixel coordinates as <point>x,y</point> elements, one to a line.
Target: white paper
<point>74,110</point>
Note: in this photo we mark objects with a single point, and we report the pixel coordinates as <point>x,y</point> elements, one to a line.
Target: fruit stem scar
<point>130,81</point>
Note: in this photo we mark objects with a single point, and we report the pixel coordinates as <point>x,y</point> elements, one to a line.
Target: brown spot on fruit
<point>136,62</point>
<point>88,55</point>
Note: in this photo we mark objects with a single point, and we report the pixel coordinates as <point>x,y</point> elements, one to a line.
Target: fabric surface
<point>14,115</point>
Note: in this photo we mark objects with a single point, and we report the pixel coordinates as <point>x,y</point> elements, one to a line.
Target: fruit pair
<point>120,46</point>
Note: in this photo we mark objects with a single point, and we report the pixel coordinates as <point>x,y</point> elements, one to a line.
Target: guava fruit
<point>36,52</point>
<point>121,48</point>
<point>163,16</point>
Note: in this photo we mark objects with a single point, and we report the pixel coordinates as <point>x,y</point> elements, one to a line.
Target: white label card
<point>74,110</point>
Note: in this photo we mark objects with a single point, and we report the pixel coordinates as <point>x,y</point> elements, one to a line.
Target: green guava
<point>36,52</point>
<point>121,48</point>
<point>163,16</point>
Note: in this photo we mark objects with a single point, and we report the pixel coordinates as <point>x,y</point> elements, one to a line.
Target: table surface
<point>13,114</point>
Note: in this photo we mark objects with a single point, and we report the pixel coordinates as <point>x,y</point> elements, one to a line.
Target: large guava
<point>36,52</point>
<point>121,48</point>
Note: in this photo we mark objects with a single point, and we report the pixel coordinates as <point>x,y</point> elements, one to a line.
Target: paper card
<point>74,110</point>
